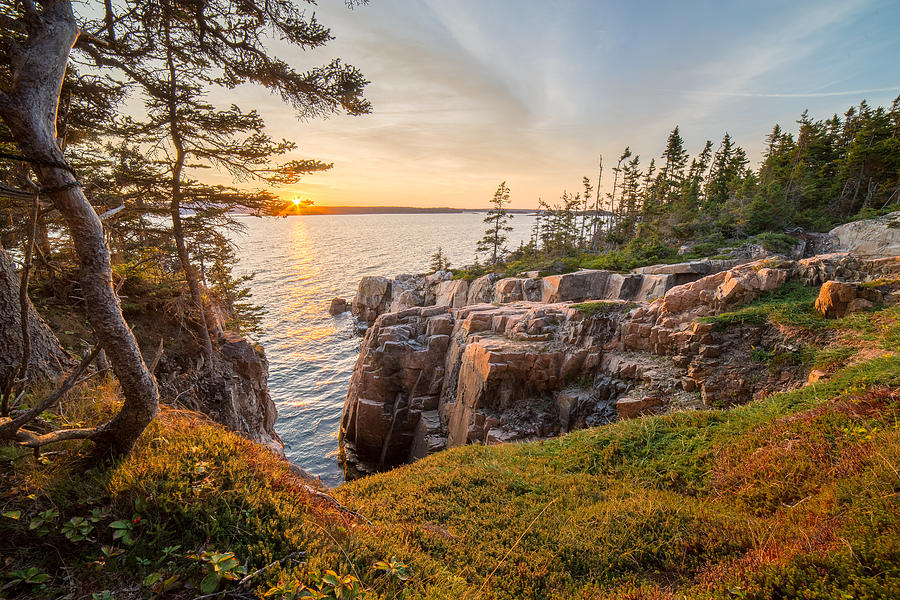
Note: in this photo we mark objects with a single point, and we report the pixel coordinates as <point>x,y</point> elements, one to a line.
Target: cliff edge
<point>525,358</point>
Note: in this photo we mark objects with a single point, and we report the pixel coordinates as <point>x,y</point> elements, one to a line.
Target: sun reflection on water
<point>301,263</point>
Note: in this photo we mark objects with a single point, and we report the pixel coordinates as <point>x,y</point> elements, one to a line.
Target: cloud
<point>469,93</point>
<point>857,93</point>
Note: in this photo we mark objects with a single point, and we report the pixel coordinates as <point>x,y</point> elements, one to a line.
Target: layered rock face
<point>870,238</point>
<point>235,393</point>
<point>434,377</point>
<point>378,295</point>
<point>541,361</point>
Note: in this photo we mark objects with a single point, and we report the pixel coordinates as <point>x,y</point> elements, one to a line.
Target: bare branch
<point>10,427</point>
<point>159,352</point>
<point>14,193</point>
<point>26,438</point>
<point>86,39</point>
<point>112,212</point>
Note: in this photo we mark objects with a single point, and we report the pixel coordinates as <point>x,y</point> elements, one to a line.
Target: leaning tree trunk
<point>28,109</point>
<point>190,273</point>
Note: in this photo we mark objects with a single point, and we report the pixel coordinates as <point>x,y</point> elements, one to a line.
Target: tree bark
<point>47,358</point>
<point>29,109</point>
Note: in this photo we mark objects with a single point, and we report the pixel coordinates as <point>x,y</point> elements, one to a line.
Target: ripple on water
<point>301,263</point>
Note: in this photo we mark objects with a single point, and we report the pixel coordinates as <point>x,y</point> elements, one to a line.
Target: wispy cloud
<point>857,93</point>
<point>468,93</point>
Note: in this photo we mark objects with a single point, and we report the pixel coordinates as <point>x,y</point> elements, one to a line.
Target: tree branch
<point>159,352</point>
<point>30,440</point>
<point>9,428</point>
<point>112,212</point>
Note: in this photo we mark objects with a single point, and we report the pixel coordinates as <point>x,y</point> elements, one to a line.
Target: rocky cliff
<point>499,360</point>
<point>234,392</point>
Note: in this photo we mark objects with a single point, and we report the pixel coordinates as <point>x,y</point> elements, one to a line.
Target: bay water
<point>300,264</point>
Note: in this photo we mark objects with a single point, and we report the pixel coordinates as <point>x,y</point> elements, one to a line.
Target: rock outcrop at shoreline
<point>523,358</point>
<point>233,392</point>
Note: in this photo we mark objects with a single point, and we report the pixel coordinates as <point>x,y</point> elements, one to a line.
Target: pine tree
<point>672,173</point>
<point>178,54</point>
<point>439,261</point>
<point>495,236</point>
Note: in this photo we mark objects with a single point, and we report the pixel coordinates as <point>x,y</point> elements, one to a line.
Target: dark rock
<point>338,306</point>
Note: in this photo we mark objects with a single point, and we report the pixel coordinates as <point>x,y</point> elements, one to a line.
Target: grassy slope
<point>792,496</point>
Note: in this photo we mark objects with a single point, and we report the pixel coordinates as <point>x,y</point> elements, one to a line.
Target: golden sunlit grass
<point>792,496</point>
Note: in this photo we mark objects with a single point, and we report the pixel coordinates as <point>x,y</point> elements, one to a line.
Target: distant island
<point>312,209</point>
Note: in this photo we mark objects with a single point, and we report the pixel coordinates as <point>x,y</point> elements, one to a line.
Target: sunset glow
<point>463,100</point>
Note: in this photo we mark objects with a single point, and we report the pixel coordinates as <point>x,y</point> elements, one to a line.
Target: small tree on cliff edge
<point>495,236</point>
<point>439,261</point>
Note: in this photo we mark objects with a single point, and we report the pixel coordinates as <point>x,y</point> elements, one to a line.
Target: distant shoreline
<point>388,210</point>
<point>394,210</point>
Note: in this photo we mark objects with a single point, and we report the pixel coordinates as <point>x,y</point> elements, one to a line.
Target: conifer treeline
<point>828,172</point>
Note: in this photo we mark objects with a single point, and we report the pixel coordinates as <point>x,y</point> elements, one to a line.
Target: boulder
<point>338,306</point>
<point>647,287</point>
<point>870,238</point>
<point>508,290</point>
<point>532,289</point>
<point>746,284</point>
<point>482,289</point>
<point>406,300</point>
<point>452,293</point>
<point>574,287</point>
<point>837,298</point>
<point>633,407</point>
<point>373,297</point>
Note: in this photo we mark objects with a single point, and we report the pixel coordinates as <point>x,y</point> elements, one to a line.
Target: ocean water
<point>301,263</point>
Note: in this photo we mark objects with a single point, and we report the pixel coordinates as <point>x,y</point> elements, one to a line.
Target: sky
<point>469,93</point>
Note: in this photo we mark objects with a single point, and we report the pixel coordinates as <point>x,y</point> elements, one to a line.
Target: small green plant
<point>104,595</point>
<point>12,514</point>
<point>321,586</point>
<point>77,529</point>
<point>31,576</point>
<point>159,583</point>
<point>760,354</point>
<point>219,567</point>
<point>168,553</point>
<point>125,530</point>
<point>111,551</point>
<point>394,569</point>
<point>41,523</point>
